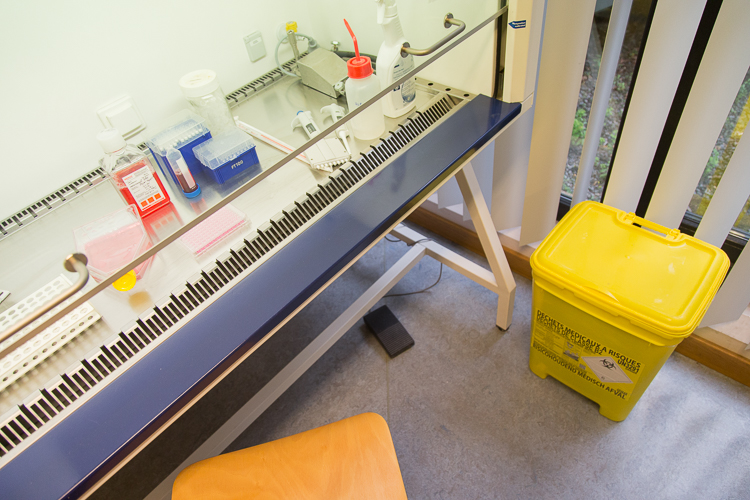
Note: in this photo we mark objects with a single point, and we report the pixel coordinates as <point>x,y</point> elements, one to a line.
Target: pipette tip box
<point>227,154</point>
<point>183,131</point>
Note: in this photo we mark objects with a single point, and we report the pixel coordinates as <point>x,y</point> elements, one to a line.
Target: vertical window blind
<point>526,190</point>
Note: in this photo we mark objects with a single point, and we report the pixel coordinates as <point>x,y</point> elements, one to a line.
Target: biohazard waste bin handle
<point>670,234</point>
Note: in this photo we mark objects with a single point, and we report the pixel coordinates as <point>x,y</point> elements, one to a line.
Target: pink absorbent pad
<point>214,229</point>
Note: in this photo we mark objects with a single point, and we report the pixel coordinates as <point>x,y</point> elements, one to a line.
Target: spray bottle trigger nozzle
<point>381,11</point>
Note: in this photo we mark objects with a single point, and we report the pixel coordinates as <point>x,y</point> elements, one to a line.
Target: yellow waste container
<point>613,295</point>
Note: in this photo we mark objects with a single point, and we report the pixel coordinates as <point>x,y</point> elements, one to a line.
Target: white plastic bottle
<point>361,86</point>
<point>390,66</point>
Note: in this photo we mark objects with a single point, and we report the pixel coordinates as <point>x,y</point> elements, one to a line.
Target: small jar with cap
<point>362,86</point>
<point>202,90</point>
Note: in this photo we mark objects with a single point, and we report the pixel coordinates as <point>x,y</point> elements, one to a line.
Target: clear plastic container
<point>131,173</point>
<point>182,131</point>
<point>226,155</point>
<point>201,89</point>
<point>112,241</point>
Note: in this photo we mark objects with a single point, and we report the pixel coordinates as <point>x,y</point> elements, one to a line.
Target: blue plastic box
<point>226,155</point>
<point>182,131</point>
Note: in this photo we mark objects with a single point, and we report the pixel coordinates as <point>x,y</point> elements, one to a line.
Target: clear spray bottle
<point>391,65</point>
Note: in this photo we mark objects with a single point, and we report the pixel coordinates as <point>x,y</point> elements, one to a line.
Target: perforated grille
<point>43,406</point>
<point>249,90</point>
<point>39,209</point>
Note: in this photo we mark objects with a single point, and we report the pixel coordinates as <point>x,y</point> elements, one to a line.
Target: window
<point>726,143</point>
<point>631,48</point>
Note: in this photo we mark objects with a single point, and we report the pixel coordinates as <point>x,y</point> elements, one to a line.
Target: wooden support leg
<point>480,215</point>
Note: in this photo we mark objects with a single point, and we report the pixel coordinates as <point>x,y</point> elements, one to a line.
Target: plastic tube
<point>189,187</point>
<point>268,139</point>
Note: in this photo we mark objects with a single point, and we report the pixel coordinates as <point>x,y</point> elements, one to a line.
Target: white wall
<point>62,60</point>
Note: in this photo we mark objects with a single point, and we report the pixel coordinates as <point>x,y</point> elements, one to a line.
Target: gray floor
<point>468,418</point>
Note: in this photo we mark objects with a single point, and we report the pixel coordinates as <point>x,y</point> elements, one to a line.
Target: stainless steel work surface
<point>33,256</point>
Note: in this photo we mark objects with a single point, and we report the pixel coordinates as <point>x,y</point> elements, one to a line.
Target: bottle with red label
<point>131,173</point>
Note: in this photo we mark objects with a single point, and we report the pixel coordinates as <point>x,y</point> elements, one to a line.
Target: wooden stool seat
<point>353,458</point>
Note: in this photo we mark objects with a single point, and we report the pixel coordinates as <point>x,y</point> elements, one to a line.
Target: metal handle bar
<point>75,263</point>
<point>448,21</point>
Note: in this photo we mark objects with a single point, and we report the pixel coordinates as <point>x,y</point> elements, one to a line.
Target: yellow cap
<point>291,25</point>
<point>126,282</point>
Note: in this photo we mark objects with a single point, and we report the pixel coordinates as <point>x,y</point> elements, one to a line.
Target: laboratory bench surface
<point>468,418</point>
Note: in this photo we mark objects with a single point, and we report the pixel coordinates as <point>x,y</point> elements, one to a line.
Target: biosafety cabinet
<point>97,359</point>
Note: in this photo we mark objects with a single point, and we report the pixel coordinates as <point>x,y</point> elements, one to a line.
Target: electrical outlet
<point>256,49</point>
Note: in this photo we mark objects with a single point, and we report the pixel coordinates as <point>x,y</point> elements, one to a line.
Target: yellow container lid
<point>658,278</point>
